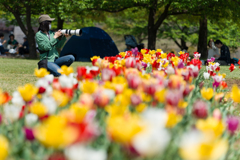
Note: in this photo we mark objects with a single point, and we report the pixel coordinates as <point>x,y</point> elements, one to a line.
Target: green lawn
<point>17,72</point>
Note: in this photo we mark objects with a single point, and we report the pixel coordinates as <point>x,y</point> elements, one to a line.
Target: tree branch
<point>162,16</point>
<point>17,16</point>
<point>120,9</point>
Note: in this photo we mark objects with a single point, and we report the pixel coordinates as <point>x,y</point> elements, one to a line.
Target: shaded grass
<point>18,72</point>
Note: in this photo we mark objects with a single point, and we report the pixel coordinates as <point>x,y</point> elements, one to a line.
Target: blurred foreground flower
<point>198,146</point>
<point>54,132</point>
<point>4,147</point>
<point>235,94</point>
<point>81,152</point>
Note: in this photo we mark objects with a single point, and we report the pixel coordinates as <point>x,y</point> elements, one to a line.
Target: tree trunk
<point>152,25</point>
<point>202,39</point>
<point>32,44</point>
<point>183,44</point>
<point>152,32</point>
<point>60,23</point>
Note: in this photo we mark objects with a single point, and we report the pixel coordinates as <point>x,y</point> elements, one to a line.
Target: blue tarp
<point>93,42</point>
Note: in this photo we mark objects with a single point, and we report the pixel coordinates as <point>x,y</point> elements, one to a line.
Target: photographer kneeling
<point>48,42</point>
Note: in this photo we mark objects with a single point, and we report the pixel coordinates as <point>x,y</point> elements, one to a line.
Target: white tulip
<point>206,75</point>
<point>17,99</point>
<point>11,112</point>
<point>152,141</point>
<point>50,103</point>
<point>80,152</point>
<point>30,119</point>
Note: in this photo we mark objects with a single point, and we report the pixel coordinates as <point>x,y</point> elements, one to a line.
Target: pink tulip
<point>130,62</point>
<point>29,134</point>
<point>107,74</point>
<point>173,97</point>
<point>232,124</point>
<point>217,114</point>
<point>133,81</point>
<point>136,99</point>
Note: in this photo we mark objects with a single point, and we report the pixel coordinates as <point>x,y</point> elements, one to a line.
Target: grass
<point>18,72</point>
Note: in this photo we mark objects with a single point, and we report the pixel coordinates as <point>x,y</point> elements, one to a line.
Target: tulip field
<point>146,105</point>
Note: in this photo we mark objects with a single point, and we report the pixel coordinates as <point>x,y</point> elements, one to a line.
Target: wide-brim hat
<point>44,17</point>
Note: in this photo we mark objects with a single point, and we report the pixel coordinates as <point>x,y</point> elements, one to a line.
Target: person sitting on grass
<point>48,42</point>
<point>213,50</point>
<point>24,48</point>
<point>2,42</point>
<point>225,53</point>
<point>12,43</point>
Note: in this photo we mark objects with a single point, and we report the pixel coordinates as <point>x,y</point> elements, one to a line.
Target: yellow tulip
<point>54,132</point>
<point>60,97</point>
<point>79,111</point>
<point>173,119</point>
<point>42,72</point>
<point>66,70</point>
<point>160,95</point>
<point>123,128</point>
<point>4,147</point>
<point>211,125</point>
<point>123,54</point>
<point>164,55</point>
<point>181,52</point>
<point>206,149</point>
<point>39,109</point>
<point>89,87</point>
<point>95,57</point>
<point>235,94</point>
<point>159,50</point>
<point>28,92</point>
<point>207,93</point>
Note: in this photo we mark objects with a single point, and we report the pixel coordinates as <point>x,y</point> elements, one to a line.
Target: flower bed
<point>137,105</point>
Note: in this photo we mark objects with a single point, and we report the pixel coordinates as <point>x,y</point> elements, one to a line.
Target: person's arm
<point>45,44</point>
<point>213,46</point>
<point>61,42</point>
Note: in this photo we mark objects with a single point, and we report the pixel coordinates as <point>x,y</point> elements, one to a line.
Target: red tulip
<point>232,67</point>
<point>200,109</point>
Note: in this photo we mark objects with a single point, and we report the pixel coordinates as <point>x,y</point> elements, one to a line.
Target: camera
<point>77,32</point>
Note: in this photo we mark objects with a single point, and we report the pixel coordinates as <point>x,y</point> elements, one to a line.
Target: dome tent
<point>93,42</point>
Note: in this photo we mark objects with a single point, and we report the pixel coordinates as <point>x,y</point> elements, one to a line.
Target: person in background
<point>24,48</point>
<point>213,50</point>
<point>48,43</point>
<point>2,42</point>
<point>225,53</point>
<point>12,43</point>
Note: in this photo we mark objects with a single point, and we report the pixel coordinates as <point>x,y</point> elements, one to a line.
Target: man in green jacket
<point>48,42</point>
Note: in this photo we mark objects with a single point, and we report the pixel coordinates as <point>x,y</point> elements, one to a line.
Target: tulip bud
<point>200,109</point>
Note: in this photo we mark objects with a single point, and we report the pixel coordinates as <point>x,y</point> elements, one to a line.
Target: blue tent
<point>93,42</point>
